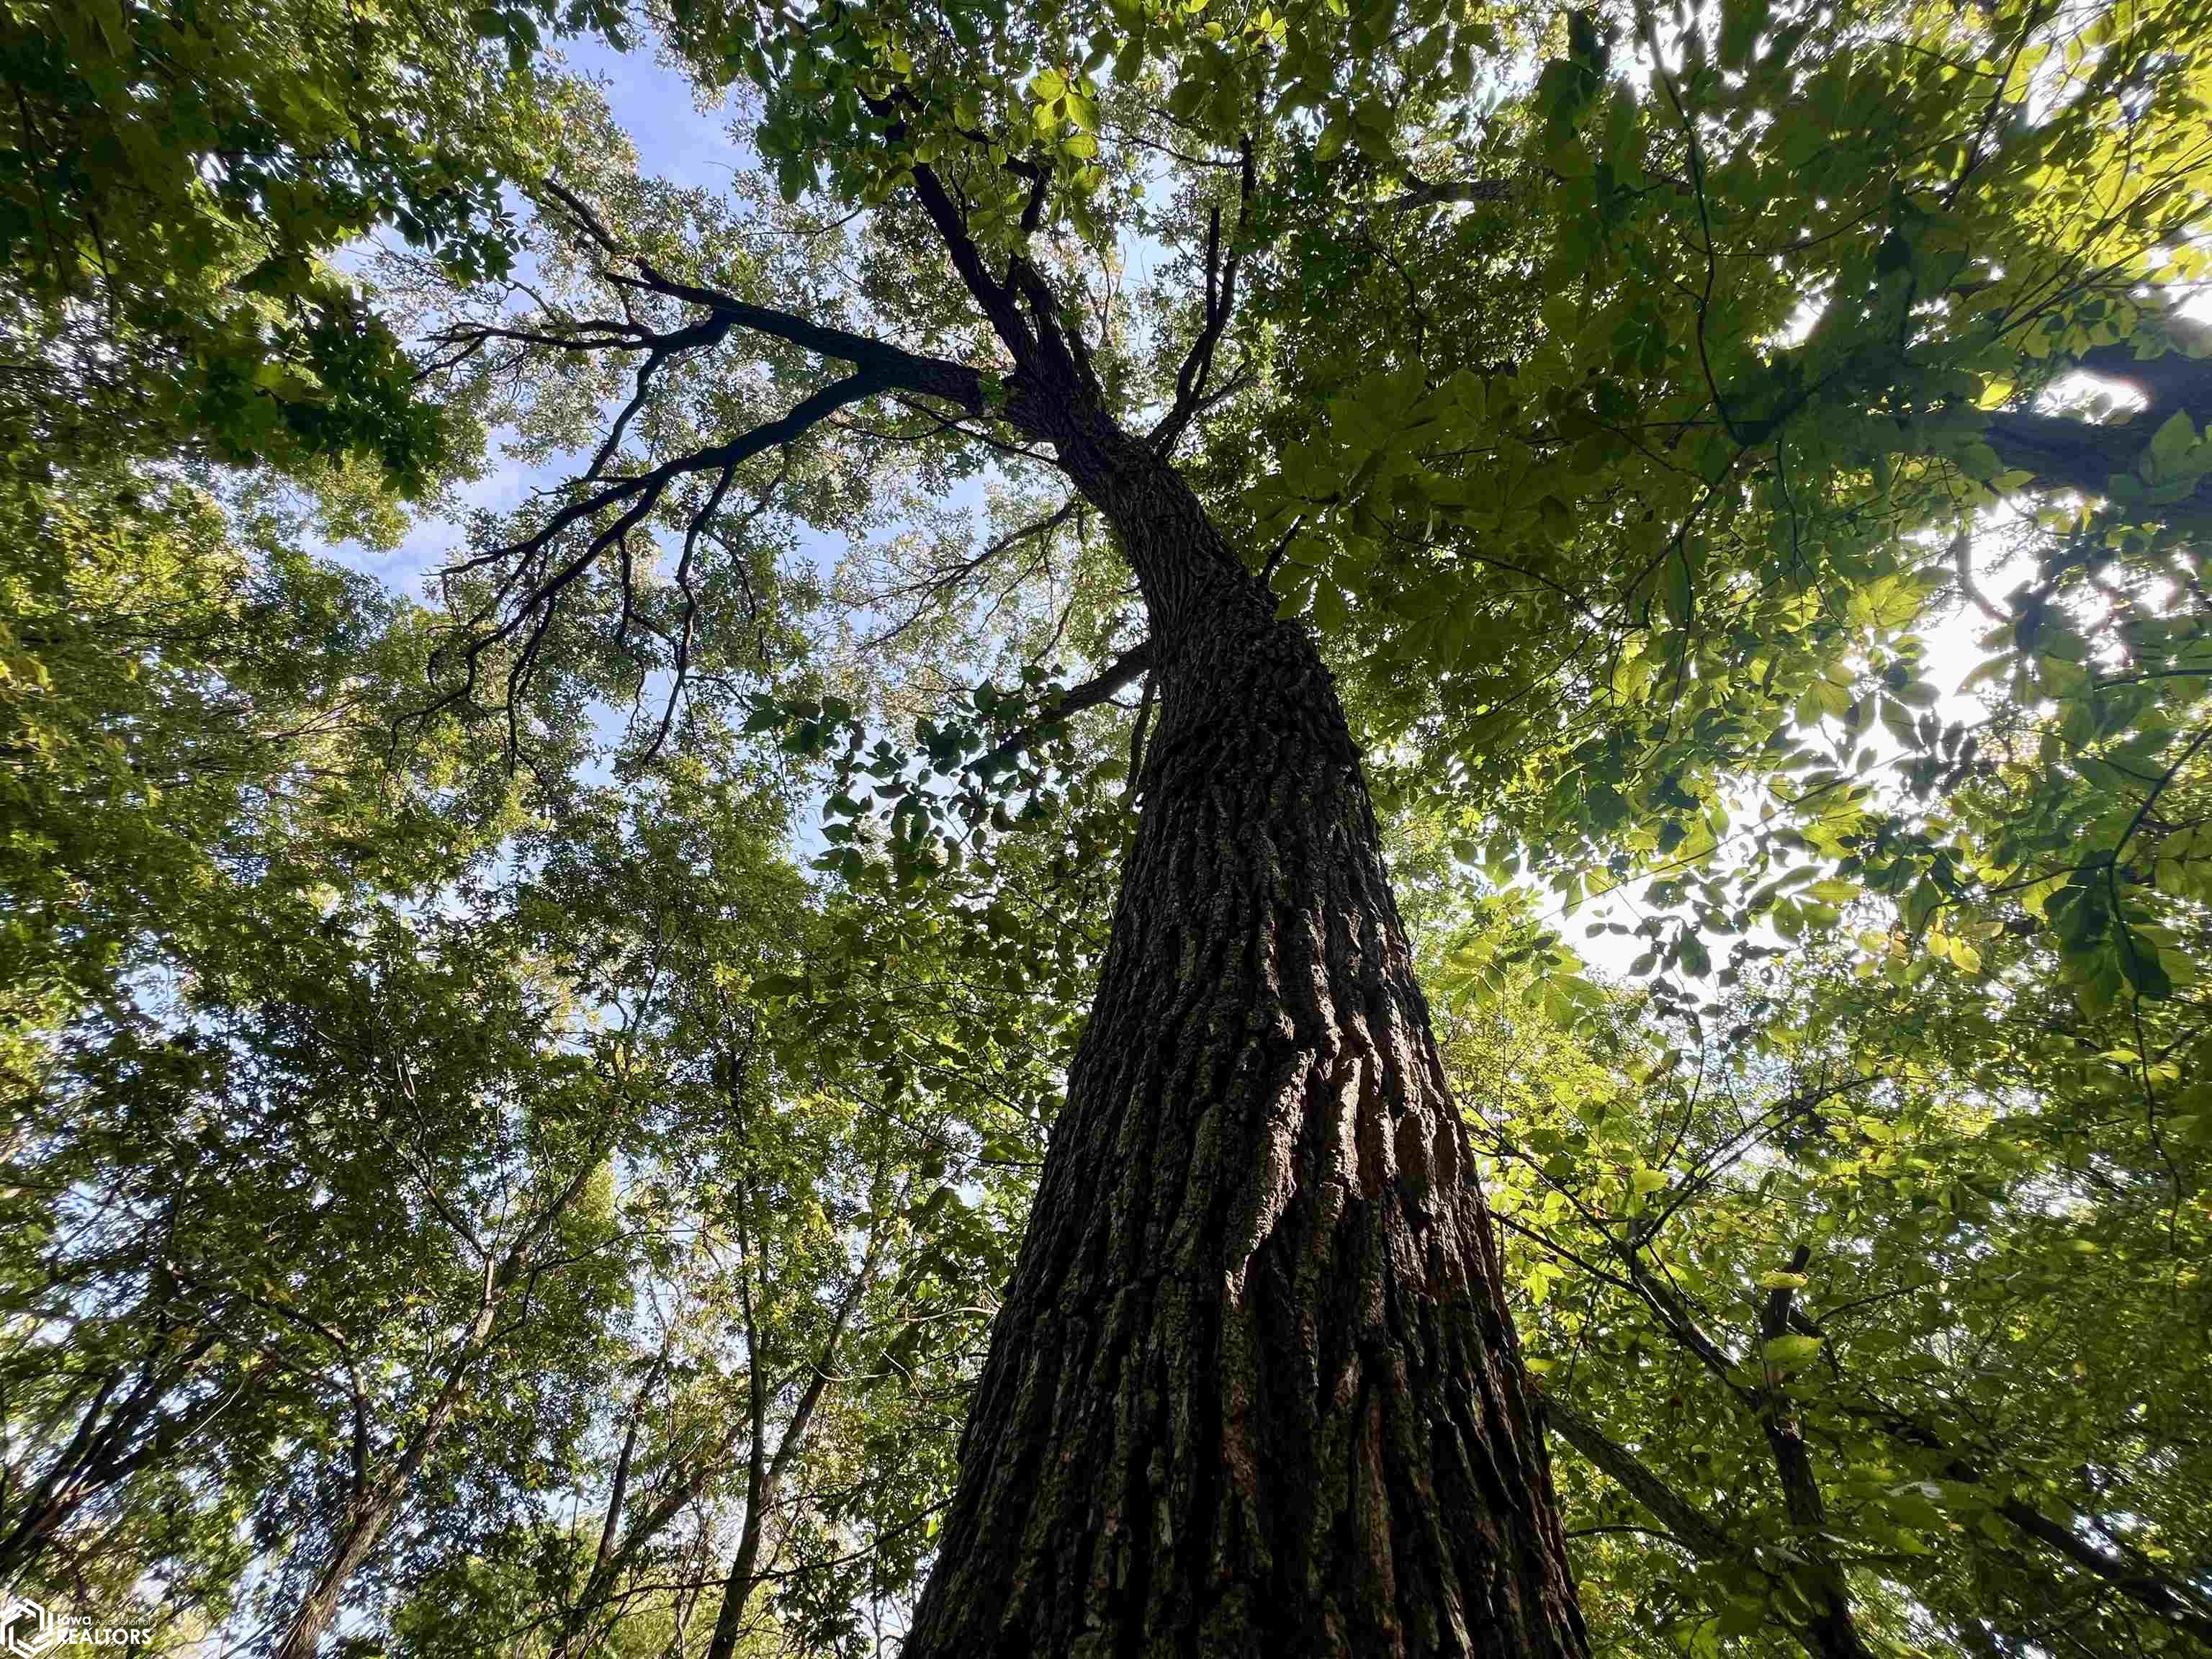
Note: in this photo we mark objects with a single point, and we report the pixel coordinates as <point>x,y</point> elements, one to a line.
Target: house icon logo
<point>26,1628</point>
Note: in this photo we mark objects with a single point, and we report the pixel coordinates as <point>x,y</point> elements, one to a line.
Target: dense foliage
<point>523,1098</point>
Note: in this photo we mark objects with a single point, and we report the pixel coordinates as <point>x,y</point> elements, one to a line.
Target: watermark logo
<point>26,1628</point>
<point>29,1632</point>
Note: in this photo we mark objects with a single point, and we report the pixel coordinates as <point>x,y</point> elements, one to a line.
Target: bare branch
<point>933,587</point>
<point>893,366</point>
<point>1220,303</point>
<point>526,598</point>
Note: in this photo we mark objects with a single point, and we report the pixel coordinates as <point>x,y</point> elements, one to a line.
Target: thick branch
<point>891,366</point>
<point>2148,1590</point>
<point>2072,454</point>
<point>2084,455</point>
<point>2170,1603</point>
<point>2178,377</point>
<point>2165,383</point>
<point>997,300</point>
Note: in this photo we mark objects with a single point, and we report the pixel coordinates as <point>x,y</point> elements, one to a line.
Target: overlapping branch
<point>532,574</point>
<point>1123,671</point>
<point>934,588</point>
<point>1220,303</point>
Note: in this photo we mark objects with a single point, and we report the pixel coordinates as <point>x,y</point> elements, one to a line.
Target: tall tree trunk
<point>1255,1389</point>
<point>112,1441</point>
<point>572,1637</point>
<point>1831,1626</point>
<point>764,1476</point>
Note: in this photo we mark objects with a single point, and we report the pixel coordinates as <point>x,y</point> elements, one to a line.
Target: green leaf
<point>2171,444</point>
<point>1789,1353</point>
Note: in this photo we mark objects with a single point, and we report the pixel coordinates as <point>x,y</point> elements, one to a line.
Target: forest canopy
<point>1104,826</point>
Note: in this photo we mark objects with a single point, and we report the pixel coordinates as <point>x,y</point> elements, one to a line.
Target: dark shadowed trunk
<point>114,1440</point>
<point>1254,1389</point>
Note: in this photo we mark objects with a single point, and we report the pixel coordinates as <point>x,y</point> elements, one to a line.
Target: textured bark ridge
<point>1254,1389</point>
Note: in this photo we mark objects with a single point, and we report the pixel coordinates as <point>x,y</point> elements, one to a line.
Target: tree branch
<point>1220,303</point>
<point>893,366</point>
<point>523,601</point>
<point>1832,1632</point>
<point>1421,193</point>
<point>1685,1523</point>
<point>1074,700</point>
<point>2174,1604</point>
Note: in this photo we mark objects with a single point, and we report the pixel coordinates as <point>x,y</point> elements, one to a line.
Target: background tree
<point>180,180</point>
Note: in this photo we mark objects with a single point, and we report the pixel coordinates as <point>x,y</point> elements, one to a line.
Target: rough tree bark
<point>1255,1389</point>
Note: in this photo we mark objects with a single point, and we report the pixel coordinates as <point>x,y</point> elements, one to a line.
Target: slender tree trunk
<point>31,1522</point>
<point>373,1501</point>
<point>744,1574</point>
<point>1255,1389</point>
<point>372,1507</point>
<point>764,1477</point>
<point>763,1487</point>
<point>364,1528</point>
<point>679,1642</point>
<point>112,1442</point>
<point>574,1619</point>
<point>1832,1628</point>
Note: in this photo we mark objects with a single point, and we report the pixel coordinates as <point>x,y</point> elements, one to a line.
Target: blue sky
<point>675,140</point>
